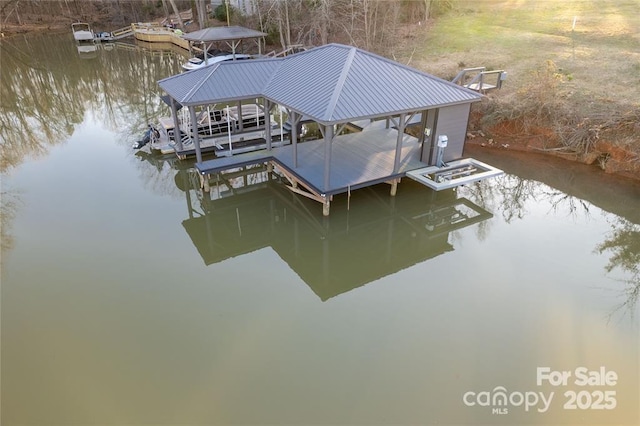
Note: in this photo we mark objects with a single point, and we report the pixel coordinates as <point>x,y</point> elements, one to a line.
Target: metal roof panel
<point>223,33</point>
<point>222,81</point>
<point>332,83</point>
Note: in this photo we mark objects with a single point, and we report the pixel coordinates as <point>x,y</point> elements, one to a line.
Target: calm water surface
<point>129,298</point>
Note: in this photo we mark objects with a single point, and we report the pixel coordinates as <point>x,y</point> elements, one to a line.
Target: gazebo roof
<point>223,34</point>
<point>330,84</point>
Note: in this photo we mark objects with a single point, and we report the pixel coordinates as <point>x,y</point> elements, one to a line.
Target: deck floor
<point>357,160</point>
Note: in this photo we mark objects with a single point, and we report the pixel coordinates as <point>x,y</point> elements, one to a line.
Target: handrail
<point>461,74</point>
<point>121,31</point>
<point>478,81</point>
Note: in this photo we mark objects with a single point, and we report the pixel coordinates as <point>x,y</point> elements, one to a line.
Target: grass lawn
<point>600,55</point>
<point>595,46</point>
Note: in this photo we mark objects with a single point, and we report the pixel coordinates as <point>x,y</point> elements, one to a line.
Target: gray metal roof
<point>223,33</point>
<point>331,84</point>
<point>221,82</point>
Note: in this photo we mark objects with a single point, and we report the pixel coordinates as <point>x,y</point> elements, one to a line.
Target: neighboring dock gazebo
<point>233,36</point>
<point>337,87</point>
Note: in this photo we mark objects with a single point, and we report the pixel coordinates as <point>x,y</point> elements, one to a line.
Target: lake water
<point>128,297</point>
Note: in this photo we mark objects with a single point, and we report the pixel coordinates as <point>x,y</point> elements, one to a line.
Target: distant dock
<point>156,33</point>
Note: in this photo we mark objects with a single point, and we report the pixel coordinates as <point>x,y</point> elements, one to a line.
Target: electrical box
<point>443,140</point>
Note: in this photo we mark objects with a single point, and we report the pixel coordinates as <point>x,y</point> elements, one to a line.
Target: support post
<point>401,125</point>
<point>177,135</point>
<point>267,123</point>
<point>206,52</point>
<point>432,122</point>
<point>239,112</point>
<point>325,207</point>
<point>394,187</point>
<point>294,135</point>
<point>233,45</point>
<point>423,128</point>
<point>194,133</point>
<point>328,140</point>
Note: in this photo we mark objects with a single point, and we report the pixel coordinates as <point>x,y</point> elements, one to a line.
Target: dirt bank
<point>614,152</point>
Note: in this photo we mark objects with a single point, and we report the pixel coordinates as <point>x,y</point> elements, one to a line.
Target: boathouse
<point>341,88</point>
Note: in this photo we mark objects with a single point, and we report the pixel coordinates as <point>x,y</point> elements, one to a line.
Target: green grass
<point>601,54</point>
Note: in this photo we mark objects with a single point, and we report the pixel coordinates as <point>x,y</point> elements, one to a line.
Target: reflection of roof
<point>223,33</point>
<point>359,247</point>
<point>331,84</point>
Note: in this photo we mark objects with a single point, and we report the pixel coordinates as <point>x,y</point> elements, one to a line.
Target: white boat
<point>199,62</point>
<point>82,32</point>
<point>221,131</point>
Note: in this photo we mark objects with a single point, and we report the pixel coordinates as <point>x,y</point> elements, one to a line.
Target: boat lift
<point>455,173</point>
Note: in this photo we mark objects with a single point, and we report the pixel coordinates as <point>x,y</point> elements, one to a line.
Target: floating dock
<point>455,173</point>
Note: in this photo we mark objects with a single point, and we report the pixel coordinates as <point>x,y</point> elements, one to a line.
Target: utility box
<point>443,141</point>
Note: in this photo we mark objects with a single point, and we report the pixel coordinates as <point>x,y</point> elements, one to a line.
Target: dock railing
<point>147,26</point>
<point>186,15</point>
<point>122,32</point>
<point>476,79</point>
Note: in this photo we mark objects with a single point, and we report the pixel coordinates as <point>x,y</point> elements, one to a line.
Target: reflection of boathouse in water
<point>375,236</point>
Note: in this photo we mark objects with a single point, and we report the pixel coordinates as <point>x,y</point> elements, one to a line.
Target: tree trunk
<point>165,9</point>
<point>427,9</point>
<point>201,8</point>
<point>177,13</point>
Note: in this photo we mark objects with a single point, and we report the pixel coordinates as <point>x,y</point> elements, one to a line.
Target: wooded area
<point>369,24</point>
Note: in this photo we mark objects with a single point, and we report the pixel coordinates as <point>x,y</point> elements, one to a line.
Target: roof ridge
<point>197,87</point>
<point>340,84</point>
<point>268,81</point>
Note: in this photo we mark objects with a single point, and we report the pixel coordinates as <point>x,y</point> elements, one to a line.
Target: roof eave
<point>397,112</point>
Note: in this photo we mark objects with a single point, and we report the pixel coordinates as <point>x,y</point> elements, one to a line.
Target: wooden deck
<point>155,33</point>
<point>358,160</point>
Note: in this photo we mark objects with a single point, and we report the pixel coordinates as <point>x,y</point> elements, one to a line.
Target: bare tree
<point>201,10</point>
<point>165,9</point>
<point>427,9</point>
<point>177,13</point>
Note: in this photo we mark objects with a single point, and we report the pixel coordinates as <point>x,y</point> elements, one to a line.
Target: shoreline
<point>606,155</point>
